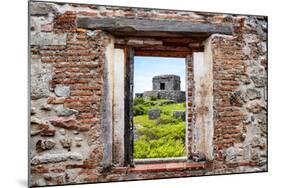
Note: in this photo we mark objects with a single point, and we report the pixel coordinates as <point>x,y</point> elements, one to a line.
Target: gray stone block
<point>255,106</point>
<point>259,81</point>
<point>179,115</point>
<point>42,145</point>
<point>153,113</point>
<point>66,142</point>
<point>253,94</point>
<point>63,111</point>
<point>62,91</point>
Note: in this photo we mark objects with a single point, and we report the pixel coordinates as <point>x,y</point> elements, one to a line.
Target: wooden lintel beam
<point>159,48</point>
<point>182,40</point>
<point>166,48</point>
<point>153,27</point>
<point>162,53</point>
<point>173,43</point>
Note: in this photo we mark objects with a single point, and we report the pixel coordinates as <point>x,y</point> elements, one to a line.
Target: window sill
<point>163,167</point>
<point>160,160</point>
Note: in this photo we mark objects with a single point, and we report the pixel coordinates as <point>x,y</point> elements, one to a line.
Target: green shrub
<point>158,148</point>
<point>164,137</point>
<point>167,120</point>
<point>169,131</point>
<point>153,98</point>
<point>156,141</point>
<point>165,102</point>
<point>138,100</point>
<point>139,110</point>
<point>149,103</point>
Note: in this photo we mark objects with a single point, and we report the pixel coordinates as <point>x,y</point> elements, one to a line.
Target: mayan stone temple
<point>166,87</point>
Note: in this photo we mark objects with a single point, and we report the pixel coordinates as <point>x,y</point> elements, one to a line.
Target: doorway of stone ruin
<point>162,86</point>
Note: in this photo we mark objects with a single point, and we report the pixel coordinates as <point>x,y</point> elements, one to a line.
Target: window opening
<point>159,110</point>
<point>162,86</point>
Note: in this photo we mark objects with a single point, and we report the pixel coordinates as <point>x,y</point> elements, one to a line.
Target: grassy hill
<point>162,137</point>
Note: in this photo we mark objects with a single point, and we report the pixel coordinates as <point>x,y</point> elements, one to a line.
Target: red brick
<point>88,120</point>
<point>48,132</point>
<point>57,170</point>
<point>55,100</point>
<point>80,30</point>
<point>81,93</point>
<point>39,169</point>
<point>91,178</point>
<point>250,163</point>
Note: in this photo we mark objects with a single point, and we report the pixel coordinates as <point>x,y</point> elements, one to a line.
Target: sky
<point>147,67</point>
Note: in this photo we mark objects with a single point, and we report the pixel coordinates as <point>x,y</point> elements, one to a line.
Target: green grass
<point>142,106</point>
<point>163,137</point>
<point>158,148</point>
<point>171,107</point>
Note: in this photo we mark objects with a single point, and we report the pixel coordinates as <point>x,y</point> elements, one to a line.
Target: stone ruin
<point>165,87</point>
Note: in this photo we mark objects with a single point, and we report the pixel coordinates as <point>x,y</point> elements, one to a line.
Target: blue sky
<point>147,67</point>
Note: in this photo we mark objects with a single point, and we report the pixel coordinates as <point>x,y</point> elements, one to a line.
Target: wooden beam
<point>156,34</point>
<point>170,43</point>
<point>161,53</point>
<point>148,27</point>
<point>159,48</point>
<point>167,48</point>
<point>128,102</point>
<point>182,40</point>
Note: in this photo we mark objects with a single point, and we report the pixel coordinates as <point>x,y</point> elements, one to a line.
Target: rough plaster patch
<point>40,77</point>
<point>47,38</point>
<point>42,8</point>
<point>54,158</point>
<point>68,7</point>
<point>41,23</point>
<point>250,38</point>
<point>255,68</point>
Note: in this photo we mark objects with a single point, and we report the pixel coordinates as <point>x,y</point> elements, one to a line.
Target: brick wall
<point>67,76</point>
<point>190,105</point>
<point>240,75</point>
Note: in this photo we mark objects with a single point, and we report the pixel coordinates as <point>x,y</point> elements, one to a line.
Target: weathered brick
<point>39,169</point>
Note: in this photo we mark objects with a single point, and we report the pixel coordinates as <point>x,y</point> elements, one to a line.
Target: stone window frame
<point>177,32</point>
<point>132,50</point>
